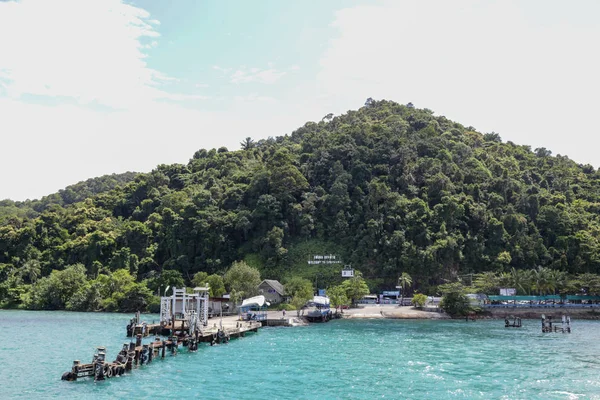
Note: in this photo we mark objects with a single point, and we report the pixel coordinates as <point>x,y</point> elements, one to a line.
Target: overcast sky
<point>89,88</point>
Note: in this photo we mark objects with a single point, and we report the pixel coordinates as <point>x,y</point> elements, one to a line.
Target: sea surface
<point>342,359</point>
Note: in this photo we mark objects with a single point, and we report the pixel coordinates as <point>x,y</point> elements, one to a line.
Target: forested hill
<point>69,195</point>
<point>389,188</point>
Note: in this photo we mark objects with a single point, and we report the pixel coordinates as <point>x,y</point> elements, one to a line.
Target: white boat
<point>318,309</point>
<point>254,308</point>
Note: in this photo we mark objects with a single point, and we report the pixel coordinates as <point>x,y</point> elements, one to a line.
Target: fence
<point>541,306</point>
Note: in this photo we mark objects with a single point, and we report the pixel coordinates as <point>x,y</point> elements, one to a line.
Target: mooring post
<point>174,345</point>
<point>146,358</point>
<point>75,369</point>
<point>130,356</point>
<point>543,323</point>
<point>136,358</point>
<point>173,317</point>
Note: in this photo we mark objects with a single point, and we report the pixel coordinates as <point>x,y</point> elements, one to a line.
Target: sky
<point>89,88</point>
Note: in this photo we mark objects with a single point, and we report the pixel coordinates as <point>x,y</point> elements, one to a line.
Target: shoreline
<point>391,312</point>
<point>408,312</point>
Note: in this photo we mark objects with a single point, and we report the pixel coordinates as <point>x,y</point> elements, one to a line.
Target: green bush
<point>419,300</point>
<point>285,306</point>
<point>154,305</point>
<point>455,304</point>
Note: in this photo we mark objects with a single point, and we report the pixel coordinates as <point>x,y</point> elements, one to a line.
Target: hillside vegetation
<point>69,195</point>
<point>388,188</point>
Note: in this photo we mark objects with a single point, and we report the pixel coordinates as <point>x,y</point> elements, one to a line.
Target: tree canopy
<point>392,188</point>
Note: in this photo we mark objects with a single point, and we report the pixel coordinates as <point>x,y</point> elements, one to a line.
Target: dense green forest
<point>71,194</point>
<point>388,188</point>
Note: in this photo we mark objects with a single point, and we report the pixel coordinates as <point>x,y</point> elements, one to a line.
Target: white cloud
<point>246,75</point>
<point>87,55</point>
<point>525,69</point>
<point>253,98</point>
<point>185,97</point>
<point>88,51</point>
<point>221,69</point>
<point>47,148</point>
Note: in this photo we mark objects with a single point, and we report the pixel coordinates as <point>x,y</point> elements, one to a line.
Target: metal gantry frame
<point>192,308</point>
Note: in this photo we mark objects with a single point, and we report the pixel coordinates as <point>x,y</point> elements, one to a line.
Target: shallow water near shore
<point>342,359</point>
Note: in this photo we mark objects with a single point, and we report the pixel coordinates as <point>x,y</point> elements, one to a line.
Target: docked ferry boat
<point>317,309</point>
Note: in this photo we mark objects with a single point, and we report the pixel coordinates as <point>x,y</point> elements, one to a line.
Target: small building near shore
<point>272,290</point>
<point>389,297</point>
<point>368,299</point>
<point>220,306</point>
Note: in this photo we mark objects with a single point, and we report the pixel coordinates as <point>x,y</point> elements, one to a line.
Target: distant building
<point>272,290</point>
<point>477,299</point>
<point>220,306</point>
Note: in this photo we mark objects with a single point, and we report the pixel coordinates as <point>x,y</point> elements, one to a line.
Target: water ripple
<point>348,359</point>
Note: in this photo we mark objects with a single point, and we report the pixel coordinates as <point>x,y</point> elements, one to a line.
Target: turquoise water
<point>344,359</point>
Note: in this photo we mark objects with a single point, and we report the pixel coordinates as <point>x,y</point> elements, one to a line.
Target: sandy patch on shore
<point>392,312</point>
<point>368,312</point>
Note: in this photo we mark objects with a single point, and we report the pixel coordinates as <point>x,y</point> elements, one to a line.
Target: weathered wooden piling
<point>547,325</point>
<point>516,323</point>
<point>184,318</point>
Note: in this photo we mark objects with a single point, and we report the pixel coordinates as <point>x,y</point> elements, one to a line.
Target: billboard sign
<point>508,292</point>
<point>325,259</point>
<point>347,273</point>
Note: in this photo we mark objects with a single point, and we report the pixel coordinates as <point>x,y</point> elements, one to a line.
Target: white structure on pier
<point>191,310</point>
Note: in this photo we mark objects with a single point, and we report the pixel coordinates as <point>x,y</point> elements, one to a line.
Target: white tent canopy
<point>258,301</point>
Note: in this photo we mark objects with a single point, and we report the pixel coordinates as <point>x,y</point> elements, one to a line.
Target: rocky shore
<point>408,312</point>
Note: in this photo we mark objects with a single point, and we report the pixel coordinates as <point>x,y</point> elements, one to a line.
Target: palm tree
<point>247,143</point>
<point>541,283</point>
<point>527,276</point>
<point>556,280</point>
<point>404,281</point>
<point>520,280</point>
<point>505,279</point>
<point>486,282</point>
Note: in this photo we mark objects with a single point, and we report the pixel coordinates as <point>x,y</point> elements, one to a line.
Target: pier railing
<point>541,306</point>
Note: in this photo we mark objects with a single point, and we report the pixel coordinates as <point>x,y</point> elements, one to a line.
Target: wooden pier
<point>184,322</point>
<point>138,327</point>
<point>137,353</point>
